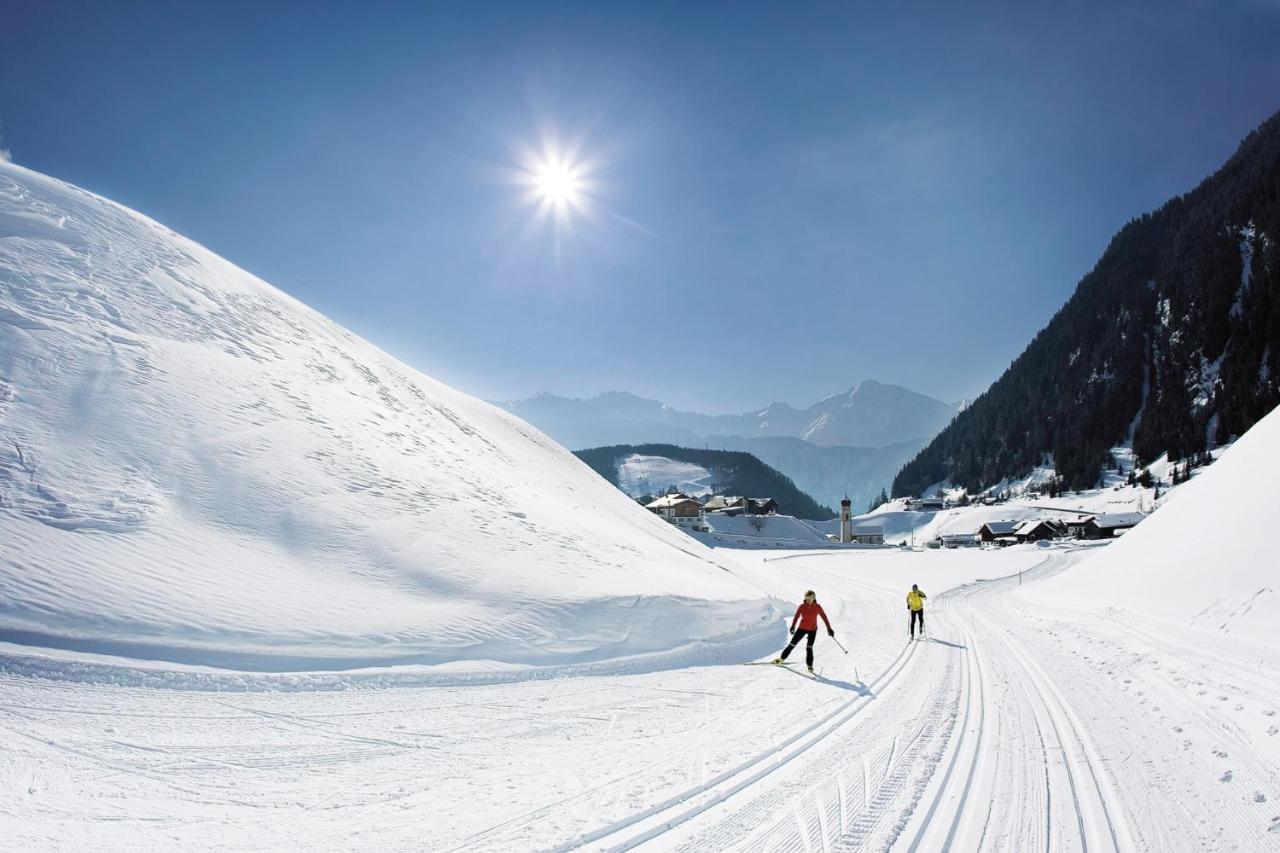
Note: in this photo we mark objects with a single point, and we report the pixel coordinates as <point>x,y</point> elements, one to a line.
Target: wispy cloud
<point>6,156</point>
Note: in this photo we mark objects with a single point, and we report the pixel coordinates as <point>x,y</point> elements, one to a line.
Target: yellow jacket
<point>915,599</point>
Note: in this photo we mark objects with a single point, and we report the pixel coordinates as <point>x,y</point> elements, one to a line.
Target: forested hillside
<point>1168,343</point>
<point>736,473</point>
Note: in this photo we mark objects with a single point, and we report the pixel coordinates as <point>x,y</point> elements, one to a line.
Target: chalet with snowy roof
<point>1110,526</point>
<point>1039,529</point>
<point>680,510</point>
<point>717,503</point>
<point>1000,532</point>
<point>735,505</point>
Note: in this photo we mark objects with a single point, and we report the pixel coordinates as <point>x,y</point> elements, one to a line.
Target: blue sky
<point>785,198</point>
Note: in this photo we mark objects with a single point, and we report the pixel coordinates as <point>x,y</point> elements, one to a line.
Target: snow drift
<point>1206,558</point>
<point>197,468</point>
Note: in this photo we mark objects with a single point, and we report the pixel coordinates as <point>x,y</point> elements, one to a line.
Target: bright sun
<point>557,183</point>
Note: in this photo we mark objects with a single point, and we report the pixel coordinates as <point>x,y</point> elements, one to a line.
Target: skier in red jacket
<point>807,616</point>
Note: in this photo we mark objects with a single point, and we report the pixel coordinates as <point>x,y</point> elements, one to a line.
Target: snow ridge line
<point>24,660</point>
<point>810,735</point>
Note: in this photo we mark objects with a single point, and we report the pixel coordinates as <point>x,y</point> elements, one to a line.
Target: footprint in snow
<point>1219,753</point>
<point>1269,713</point>
<point>1178,729</point>
<point>1272,730</point>
<point>1275,824</point>
<point>1226,777</point>
<point>1259,797</point>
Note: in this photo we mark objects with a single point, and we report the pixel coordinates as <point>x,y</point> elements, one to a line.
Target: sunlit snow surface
<point>197,468</point>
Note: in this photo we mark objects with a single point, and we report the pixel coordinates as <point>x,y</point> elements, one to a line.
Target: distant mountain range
<point>1169,345</point>
<point>853,442</point>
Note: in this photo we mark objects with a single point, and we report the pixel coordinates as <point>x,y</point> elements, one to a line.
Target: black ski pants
<point>795,641</point>
<point>916,614</point>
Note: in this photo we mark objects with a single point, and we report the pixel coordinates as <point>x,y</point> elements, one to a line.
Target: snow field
<point>1020,724</point>
<point>433,767</point>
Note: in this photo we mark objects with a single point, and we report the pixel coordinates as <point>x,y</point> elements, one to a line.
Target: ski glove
<point>831,632</point>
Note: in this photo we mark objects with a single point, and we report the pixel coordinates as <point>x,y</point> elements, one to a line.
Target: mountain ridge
<point>1167,344</point>
<point>868,414</point>
<point>898,423</point>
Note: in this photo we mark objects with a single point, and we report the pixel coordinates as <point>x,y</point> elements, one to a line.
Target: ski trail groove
<point>946,796</point>
<point>1100,815</point>
<point>668,814</point>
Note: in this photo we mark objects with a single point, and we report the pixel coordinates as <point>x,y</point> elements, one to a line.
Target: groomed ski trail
<point>971,746</point>
<point>1020,725</point>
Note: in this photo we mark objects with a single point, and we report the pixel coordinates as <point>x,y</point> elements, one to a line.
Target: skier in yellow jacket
<point>915,607</point>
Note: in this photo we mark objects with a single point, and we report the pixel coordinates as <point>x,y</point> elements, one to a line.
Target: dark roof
<point>1001,528</point>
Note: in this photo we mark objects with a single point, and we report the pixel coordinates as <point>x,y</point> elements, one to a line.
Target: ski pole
<point>838,643</point>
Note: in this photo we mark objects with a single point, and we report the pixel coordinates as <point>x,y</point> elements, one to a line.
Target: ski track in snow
<point>1015,726</point>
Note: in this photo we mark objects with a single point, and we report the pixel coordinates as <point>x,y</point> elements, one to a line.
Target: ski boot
<point>776,660</point>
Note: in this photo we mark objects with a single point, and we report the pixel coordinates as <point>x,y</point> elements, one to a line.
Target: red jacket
<point>807,615</point>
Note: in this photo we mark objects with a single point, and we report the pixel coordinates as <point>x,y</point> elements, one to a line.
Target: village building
<point>680,510</point>
<point>960,540</point>
<point>736,505</point>
<point>1109,526</point>
<point>717,503</point>
<point>762,506</point>
<point>1038,529</point>
<point>999,532</point>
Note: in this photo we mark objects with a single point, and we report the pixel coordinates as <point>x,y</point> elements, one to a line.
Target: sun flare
<point>556,182</point>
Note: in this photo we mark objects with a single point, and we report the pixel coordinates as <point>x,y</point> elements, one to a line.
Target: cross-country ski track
<point>1016,725</point>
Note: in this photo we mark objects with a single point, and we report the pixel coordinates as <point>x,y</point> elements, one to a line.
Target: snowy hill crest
<point>195,464</point>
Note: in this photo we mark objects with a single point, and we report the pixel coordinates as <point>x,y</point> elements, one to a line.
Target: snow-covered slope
<point>197,468</point>
<point>640,474</point>
<point>1207,558</point>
